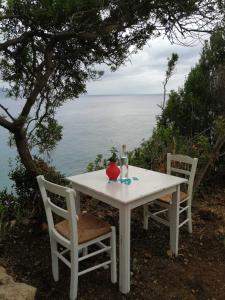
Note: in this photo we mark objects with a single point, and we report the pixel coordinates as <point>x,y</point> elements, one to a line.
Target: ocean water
<point>91,125</point>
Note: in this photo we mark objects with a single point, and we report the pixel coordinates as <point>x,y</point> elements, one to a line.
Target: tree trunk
<point>164,96</point>
<point>24,152</point>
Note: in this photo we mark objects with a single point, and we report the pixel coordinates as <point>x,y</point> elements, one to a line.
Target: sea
<point>91,126</point>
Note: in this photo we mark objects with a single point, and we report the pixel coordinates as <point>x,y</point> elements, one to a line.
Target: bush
<point>9,205</point>
<point>151,154</point>
<point>9,210</point>
<point>27,190</point>
<point>97,164</point>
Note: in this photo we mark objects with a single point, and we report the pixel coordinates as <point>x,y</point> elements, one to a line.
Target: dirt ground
<point>197,273</point>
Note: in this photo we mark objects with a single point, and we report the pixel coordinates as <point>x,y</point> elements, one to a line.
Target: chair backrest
<point>50,208</point>
<point>184,166</point>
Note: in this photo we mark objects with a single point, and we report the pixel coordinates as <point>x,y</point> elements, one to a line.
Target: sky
<point>145,71</point>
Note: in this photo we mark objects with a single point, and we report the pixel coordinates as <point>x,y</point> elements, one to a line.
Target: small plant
<point>114,156</point>
<point>97,164</point>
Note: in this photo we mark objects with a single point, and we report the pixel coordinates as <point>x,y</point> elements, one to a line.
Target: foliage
<point>219,126</point>
<point>151,150</point>
<point>151,154</point>
<point>26,202</point>
<point>9,204</point>
<point>99,163</point>
<point>171,65</point>
<point>169,72</point>
<point>113,158</point>
<point>47,135</point>
<point>9,210</point>
<point>49,49</point>
<point>27,189</point>
<point>194,108</point>
<point>193,121</point>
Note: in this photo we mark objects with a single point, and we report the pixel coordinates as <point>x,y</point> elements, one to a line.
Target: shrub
<point>9,210</point>
<point>27,190</point>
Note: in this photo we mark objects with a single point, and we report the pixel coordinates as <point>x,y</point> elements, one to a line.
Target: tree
<point>194,108</point>
<point>49,49</point>
<point>198,108</point>
<point>169,72</point>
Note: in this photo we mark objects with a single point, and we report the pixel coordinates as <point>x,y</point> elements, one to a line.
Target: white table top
<point>149,182</point>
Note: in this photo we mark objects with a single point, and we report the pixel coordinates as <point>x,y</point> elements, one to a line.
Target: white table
<point>150,186</point>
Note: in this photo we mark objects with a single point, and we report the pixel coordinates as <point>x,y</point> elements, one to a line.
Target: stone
<point>11,290</point>
<point>18,291</point>
<point>4,277</point>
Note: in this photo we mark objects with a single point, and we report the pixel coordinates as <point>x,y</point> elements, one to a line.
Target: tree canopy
<point>194,108</point>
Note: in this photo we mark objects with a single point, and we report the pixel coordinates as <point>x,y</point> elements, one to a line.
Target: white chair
<point>183,166</point>
<point>75,233</point>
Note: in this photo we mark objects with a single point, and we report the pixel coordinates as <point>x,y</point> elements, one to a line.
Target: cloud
<point>144,72</point>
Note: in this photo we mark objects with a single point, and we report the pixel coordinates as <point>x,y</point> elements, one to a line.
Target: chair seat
<point>89,228</point>
<point>168,197</point>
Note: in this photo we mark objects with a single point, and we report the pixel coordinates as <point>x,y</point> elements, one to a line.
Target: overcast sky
<point>145,71</point>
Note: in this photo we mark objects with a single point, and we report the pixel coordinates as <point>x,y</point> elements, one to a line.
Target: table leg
<point>174,222</point>
<point>77,200</point>
<point>124,257</point>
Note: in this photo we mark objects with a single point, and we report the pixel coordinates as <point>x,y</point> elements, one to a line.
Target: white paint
<point>150,186</point>
<point>149,182</point>
<point>72,245</point>
<point>174,209</point>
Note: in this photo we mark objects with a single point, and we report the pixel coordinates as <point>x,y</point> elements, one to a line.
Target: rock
<point>18,291</point>
<point>4,278</point>
<point>10,290</point>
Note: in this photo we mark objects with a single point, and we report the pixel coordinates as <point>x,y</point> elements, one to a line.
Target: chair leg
<point>73,277</point>
<point>55,261</point>
<point>189,219</point>
<point>145,213</point>
<point>85,251</point>
<point>113,256</point>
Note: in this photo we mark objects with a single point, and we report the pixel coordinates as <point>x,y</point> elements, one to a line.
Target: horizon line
<point>134,94</point>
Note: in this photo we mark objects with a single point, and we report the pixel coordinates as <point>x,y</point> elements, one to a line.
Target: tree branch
<point>24,36</point>
<point>36,115</point>
<point>39,121</point>
<point>9,17</point>
<point>40,83</point>
<point>7,112</point>
<point>89,35</point>
<point>6,124</point>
